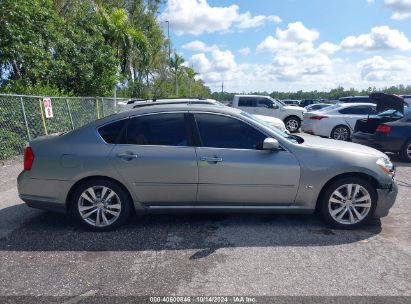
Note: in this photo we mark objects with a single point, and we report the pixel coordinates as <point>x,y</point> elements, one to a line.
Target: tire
<point>406,151</point>
<point>292,123</point>
<point>342,213</point>
<point>113,209</point>
<point>341,132</point>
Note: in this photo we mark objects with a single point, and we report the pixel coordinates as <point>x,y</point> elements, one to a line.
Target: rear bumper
<point>386,199</point>
<point>43,194</point>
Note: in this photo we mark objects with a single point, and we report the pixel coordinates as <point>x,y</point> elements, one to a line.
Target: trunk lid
<point>387,102</point>
<point>384,102</point>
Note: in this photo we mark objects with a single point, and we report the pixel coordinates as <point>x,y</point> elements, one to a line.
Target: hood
<point>387,102</point>
<point>295,108</point>
<point>269,119</point>
<point>342,146</point>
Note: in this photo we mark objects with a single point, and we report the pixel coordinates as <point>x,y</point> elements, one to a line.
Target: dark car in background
<point>291,102</point>
<point>388,131</point>
<point>355,99</point>
<point>307,102</point>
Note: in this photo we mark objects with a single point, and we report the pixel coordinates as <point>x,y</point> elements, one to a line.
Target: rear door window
<point>157,129</point>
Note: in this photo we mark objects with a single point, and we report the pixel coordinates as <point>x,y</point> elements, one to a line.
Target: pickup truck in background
<point>265,105</point>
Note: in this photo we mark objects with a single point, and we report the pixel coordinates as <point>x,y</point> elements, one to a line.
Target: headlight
<point>386,165</point>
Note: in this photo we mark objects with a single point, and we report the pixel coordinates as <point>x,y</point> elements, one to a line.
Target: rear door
<point>233,171</point>
<point>156,158</point>
<point>354,113</point>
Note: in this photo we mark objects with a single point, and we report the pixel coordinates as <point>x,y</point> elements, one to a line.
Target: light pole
<point>168,38</point>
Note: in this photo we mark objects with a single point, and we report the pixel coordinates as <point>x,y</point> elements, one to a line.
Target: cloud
<point>297,32</point>
<point>244,51</point>
<point>328,48</point>
<point>380,38</point>
<point>197,16</point>
<point>378,68</point>
<point>198,46</point>
<point>401,8</point>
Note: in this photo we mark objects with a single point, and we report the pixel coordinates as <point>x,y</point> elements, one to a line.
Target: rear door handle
<point>210,159</point>
<point>127,156</point>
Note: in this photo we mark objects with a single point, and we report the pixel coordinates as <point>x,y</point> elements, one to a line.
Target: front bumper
<point>386,199</point>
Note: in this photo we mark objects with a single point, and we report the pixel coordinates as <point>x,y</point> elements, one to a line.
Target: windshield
<point>274,129</point>
<point>329,108</point>
<point>279,101</point>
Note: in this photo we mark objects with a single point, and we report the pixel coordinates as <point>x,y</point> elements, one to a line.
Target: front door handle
<point>127,156</point>
<point>211,159</point>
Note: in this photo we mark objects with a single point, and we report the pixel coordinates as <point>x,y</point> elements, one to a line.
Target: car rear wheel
<point>406,151</point>
<point>101,205</point>
<point>292,124</point>
<point>341,133</point>
<point>348,203</point>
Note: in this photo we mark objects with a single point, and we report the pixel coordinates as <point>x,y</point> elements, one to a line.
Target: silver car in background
<point>184,157</point>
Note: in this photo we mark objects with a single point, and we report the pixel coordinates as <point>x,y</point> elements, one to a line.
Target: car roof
<point>163,108</point>
<point>354,104</point>
<point>250,95</point>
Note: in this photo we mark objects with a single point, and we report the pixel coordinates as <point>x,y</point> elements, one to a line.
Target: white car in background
<point>272,121</point>
<point>267,106</point>
<point>336,121</point>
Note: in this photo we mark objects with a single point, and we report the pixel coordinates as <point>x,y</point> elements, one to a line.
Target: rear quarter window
<point>112,131</point>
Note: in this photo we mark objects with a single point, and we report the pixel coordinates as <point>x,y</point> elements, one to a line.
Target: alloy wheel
<point>349,204</point>
<point>292,125</point>
<point>99,206</point>
<point>340,133</point>
<point>409,151</point>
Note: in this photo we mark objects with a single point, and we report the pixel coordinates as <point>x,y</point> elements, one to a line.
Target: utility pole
<point>168,38</point>
<point>222,87</point>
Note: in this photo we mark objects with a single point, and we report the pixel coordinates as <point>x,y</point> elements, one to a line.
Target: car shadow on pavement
<point>204,232</point>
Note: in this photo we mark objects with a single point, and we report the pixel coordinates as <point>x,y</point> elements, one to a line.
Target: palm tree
<point>123,36</point>
<point>191,74</point>
<point>175,64</point>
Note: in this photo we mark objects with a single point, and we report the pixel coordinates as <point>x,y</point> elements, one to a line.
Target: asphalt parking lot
<point>46,254</point>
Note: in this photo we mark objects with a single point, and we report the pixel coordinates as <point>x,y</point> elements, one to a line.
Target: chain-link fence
<point>23,118</point>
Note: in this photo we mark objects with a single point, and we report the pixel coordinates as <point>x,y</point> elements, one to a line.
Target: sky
<point>291,45</point>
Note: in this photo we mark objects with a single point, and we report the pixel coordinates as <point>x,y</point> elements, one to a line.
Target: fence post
<point>102,106</point>
<point>98,112</point>
<point>43,118</point>
<point>69,111</point>
<point>115,105</point>
<point>25,118</point>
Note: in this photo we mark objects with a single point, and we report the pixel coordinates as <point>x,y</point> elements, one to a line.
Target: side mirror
<point>274,106</point>
<point>271,144</point>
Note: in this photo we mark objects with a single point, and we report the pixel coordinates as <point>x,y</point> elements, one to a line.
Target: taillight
<point>383,129</point>
<point>318,117</point>
<point>28,158</point>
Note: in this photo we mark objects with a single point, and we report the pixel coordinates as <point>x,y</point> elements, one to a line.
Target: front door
<point>233,171</point>
<point>155,158</point>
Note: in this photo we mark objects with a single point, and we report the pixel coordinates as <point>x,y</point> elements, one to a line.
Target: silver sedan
<point>203,158</point>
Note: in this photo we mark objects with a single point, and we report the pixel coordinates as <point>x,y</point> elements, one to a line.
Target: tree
<point>175,63</point>
<point>191,74</point>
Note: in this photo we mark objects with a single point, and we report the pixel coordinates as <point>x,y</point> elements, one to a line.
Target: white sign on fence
<point>47,107</point>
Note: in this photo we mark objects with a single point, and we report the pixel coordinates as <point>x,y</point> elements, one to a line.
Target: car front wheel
<point>292,124</point>
<point>101,205</point>
<point>348,203</point>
